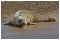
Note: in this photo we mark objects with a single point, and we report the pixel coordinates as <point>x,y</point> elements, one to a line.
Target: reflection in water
<point>41,30</point>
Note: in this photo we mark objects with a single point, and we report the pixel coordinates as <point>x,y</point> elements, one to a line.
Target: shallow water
<point>43,30</point>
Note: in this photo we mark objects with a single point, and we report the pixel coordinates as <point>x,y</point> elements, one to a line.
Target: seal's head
<point>20,20</point>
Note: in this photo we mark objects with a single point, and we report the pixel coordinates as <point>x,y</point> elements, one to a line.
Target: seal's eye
<point>20,20</point>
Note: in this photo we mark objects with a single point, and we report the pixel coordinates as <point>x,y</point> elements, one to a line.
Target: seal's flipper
<point>31,23</point>
<point>7,23</point>
<point>52,20</point>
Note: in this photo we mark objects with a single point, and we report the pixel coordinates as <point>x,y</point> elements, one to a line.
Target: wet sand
<point>44,30</point>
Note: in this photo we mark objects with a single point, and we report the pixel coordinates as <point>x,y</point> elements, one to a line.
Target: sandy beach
<point>43,30</point>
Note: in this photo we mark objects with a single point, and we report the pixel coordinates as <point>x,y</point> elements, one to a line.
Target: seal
<point>23,17</point>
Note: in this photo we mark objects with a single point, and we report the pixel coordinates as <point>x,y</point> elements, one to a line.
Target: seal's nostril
<point>23,23</point>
